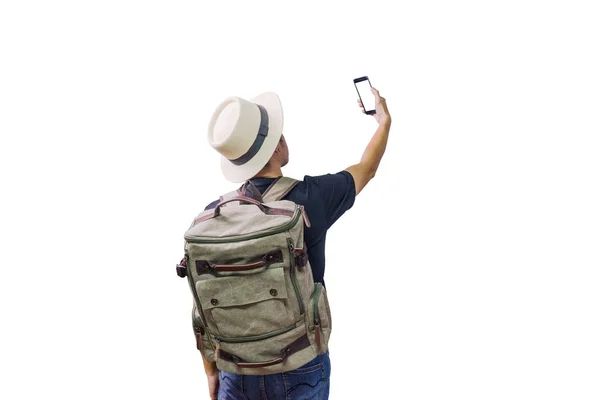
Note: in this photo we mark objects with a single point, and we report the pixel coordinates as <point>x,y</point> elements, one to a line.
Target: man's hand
<point>382,115</point>
<point>213,385</point>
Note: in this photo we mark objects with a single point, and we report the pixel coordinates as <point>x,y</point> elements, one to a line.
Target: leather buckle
<point>182,268</point>
<point>301,259</point>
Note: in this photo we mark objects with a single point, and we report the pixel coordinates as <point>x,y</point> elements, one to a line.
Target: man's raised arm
<point>365,170</point>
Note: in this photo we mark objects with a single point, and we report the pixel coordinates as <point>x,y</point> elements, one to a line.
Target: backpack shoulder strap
<point>248,186</point>
<point>279,188</point>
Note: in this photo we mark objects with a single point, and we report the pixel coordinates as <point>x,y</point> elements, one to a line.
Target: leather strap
<point>297,345</point>
<point>204,266</point>
<point>228,196</point>
<point>264,208</point>
<point>300,256</point>
<point>182,268</point>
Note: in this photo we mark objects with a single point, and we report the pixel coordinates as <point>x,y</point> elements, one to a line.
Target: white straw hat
<point>246,134</point>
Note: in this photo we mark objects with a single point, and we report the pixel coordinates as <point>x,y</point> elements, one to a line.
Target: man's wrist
<point>210,367</point>
<point>386,121</point>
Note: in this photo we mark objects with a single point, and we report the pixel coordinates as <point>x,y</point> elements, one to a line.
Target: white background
<point>467,269</point>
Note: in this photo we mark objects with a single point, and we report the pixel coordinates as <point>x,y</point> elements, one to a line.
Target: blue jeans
<point>310,381</point>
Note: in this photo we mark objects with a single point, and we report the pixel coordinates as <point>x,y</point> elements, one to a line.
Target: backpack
<point>256,308</point>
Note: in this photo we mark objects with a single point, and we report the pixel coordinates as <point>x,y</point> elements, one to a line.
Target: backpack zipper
<point>318,289</point>
<point>317,318</point>
<point>305,216</point>
<point>293,276</point>
<point>248,236</point>
<point>255,338</point>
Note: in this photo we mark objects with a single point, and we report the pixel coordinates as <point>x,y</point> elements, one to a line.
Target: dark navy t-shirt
<point>325,198</point>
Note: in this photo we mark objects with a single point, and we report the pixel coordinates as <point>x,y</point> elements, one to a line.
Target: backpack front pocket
<point>246,306</point>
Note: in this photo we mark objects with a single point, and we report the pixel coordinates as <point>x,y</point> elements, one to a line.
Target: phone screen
<point>366,96</point>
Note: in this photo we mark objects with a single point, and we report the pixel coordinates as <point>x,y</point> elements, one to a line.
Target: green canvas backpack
<point>256,308</point>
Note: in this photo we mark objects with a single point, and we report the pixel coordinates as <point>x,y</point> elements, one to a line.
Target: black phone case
<point>363,78</point>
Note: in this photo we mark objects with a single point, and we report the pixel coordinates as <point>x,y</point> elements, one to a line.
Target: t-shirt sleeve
<point>337,192</point>
<point>211,205</point>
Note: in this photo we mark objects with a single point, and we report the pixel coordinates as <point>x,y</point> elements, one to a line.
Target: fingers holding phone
<point>370,100</point>
<point>360,104</point>
<point>382,114</point>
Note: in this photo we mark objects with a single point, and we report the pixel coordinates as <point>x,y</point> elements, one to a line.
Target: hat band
<point>258,142</point>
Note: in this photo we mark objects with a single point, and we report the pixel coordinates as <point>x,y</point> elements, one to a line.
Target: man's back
<point>325,198</point>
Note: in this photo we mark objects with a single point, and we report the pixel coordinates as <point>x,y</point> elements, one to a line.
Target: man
<point>248,135</point>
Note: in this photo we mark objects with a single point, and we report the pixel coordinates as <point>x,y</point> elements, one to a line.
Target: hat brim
<point>241,173</point>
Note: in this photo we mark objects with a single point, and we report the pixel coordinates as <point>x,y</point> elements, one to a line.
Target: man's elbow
<point>362,174</point>
<point>371,173</point>
<point>365,179</point>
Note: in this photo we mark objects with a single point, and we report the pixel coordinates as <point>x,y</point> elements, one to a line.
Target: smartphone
<point>363,87</point>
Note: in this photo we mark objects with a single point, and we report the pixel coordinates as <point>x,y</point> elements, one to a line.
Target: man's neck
<point>274,173</point>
